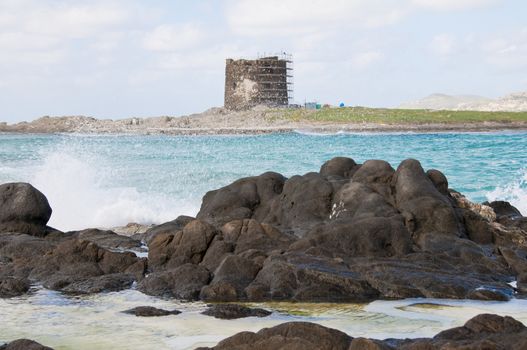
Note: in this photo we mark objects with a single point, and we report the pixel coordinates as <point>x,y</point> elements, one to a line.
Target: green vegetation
<point>396,116</point>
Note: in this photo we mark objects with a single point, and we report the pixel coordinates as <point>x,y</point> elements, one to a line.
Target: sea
<point>106,181</point>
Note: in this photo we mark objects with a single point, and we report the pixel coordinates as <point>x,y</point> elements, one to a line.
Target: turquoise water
<point>108,181</point>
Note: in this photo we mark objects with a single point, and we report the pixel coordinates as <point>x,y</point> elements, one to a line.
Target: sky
<point>131,58</point>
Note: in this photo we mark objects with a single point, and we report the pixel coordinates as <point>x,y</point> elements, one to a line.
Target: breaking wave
<point>80,195</point>
<point>515,193</point>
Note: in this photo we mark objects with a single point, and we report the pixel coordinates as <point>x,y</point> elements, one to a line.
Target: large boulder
<point>23,209</point>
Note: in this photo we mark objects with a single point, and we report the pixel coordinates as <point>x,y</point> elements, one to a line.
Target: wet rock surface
<point>67,264</point>
<point>24,344</point>
<point>149,311</point>
<point>481,332</point>
<point>233,311</point>
<point>348,233</point>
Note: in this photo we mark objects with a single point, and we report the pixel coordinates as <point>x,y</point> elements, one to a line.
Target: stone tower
<point>266,80</point>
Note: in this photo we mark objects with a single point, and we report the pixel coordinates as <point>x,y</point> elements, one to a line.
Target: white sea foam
<point>515,193</point>
<point>79,194</point>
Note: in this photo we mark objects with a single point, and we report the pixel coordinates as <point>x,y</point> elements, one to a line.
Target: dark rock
<point>491,330</point>
<point>481,332</point>
<point>243,199</point>
<point>79,262</point>
<point>105,283</point>
<point>24,344</point>
<point>477,228</point>
<point>368,344</point>
<point>424,207</point>
<point>250,234</point>
<point>233,274</point>
<point>21,253</point>
<point>504,209</point>
<point>184,282</point>
<point>23,209</point>
<point>292,335</point>
<point>233,311</point>
<point>168,250</point>
<point>338,166</point>
<point>106,239</point>
<point>149,311</point>
<point>439,180</point>
<point>170,227</point>
<point>515,258</point>
<point>12,287</point>
<point>522,283</point>
<point>376,174</point>
<point>304,202</point>
<point>295,276</point>
<point>217,251</point>
<point>372,237</point>
<point>356,200</point>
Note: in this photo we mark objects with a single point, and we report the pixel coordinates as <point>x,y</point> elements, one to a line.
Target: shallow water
<point>96,322</point>
<point>107,181</point>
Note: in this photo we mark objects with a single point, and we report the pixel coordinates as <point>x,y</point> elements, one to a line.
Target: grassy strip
<point>396,116</point>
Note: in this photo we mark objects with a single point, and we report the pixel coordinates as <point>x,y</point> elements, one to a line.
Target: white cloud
<point>22,41</point>
<point>173,37</point>
<point>507,51</point>
<point>63,20</point>
<point>453,5</point>
<point>294,17</point>
<point>364,59</point>
<point>443,45</point>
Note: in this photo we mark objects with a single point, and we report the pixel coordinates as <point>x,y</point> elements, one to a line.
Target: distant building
<point>264,81</point>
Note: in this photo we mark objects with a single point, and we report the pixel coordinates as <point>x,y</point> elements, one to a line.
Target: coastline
<point>313,128</point>
<point>263,120</point>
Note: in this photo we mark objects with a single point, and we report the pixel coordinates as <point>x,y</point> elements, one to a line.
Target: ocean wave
<point>515,192</point>
<point>80,196</point>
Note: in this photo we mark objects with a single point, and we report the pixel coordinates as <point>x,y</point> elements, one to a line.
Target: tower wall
<point>252,82</point>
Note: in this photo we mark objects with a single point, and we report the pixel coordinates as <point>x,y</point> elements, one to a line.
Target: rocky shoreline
<point>218,121</point>
<point>348,233</point>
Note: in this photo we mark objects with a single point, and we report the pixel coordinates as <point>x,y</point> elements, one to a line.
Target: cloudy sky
<point>122,58</point>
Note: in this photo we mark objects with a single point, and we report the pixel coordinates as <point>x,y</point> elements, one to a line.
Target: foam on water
<point>97,321</point>
<point>77,191</point>
<point>515,193</point>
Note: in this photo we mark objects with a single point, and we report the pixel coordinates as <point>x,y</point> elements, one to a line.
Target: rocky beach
<point>265,120</point>
<point>349,233</point>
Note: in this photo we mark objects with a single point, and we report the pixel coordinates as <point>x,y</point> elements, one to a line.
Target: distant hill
<point>516,102</point>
